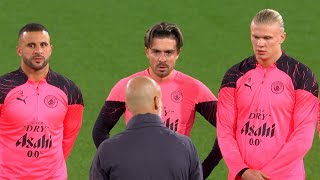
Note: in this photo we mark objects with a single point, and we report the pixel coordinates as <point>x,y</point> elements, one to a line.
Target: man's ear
<point>156,103</point>
<point>179,50</point>
<point>283,37</point>
<point>178,53</point>
<point>19,51</point>
<point>146,51</point>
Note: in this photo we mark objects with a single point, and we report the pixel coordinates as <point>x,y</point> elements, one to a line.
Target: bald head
<point>143,95</point>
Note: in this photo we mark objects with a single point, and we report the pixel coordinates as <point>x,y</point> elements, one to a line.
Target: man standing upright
<point>267,108</point>
<point>40,112</point>
<point>182,95</point>
<point>146,149</point>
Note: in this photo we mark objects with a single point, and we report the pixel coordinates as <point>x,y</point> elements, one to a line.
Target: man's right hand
<point>251,174</point>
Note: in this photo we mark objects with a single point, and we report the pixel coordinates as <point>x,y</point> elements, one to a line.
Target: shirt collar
<point>50,72</point>
<point>172,77</point>
<point>143,120</point>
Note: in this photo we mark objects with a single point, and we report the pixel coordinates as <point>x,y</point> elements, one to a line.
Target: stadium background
<point>98,42</point>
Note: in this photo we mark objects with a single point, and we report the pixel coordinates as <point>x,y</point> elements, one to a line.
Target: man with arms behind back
<point>40,112</point>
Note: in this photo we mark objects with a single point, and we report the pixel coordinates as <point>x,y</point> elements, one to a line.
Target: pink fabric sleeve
<point>226,125</point>
<point>72,124</point>
<point>205,94</point>
<point>319,118</point>
<point>300,141</point>
<point>117,93</point>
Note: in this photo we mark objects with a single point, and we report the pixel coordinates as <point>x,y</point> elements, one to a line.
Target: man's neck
<point>36,75</point>
<point>269,62</point>
<point>157,78</point>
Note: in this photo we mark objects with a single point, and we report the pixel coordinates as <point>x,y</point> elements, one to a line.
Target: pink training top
<point>266,117</point>
<point>180,94</point>
<point>39,123</point>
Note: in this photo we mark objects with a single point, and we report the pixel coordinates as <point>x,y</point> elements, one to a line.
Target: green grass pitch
<point>100,41</point>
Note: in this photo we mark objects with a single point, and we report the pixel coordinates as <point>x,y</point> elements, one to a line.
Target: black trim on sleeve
<point>67,86</point>
<point>10,81</point>
<point>302,77</point>
<point>108,117</point>
<point>242,171</point>
<point>208,110</point>
<point>212,160</point>
<point>235,72</point>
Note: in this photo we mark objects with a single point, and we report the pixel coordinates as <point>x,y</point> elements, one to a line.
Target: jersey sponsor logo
<point>34,145</point>
<point>277,87</point>
<point>166,112</point>
<point>248,84</point>
<point>258,115</point>
<point>176,96</point>
<point>173,126</point>
<point>168,123</point>
<point>29,142</point>
<point>51,101</point>
<point>258,130</point>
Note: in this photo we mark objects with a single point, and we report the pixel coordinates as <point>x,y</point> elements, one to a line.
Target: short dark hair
<point>32,27</point>
<point>163,30</point>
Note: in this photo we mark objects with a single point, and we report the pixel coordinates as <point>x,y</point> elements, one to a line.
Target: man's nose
<point>38,50</point>
<point>260,42</point>
<point>162,57</point>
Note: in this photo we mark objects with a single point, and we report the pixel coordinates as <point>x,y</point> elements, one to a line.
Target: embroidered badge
<point>50,101</point>
<point>176,96</point>
<point>277,87</point>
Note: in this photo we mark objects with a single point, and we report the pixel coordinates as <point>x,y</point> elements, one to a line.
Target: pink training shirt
<point>39,123</point>
<point>266,117</point>
<point>180,94</point>
<point>182,97</point>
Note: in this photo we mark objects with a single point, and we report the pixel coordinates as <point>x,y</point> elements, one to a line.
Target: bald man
<point>146,149</point>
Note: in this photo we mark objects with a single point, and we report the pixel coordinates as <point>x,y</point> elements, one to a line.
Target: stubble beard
<point>162,74</point>
<point>33,65</point>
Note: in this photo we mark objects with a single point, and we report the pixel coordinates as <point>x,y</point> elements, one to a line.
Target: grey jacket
<point>146,150</point>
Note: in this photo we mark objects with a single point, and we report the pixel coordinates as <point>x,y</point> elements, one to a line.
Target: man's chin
<point>162,74</point>
<point>262,57</point>
<point>38,67</point>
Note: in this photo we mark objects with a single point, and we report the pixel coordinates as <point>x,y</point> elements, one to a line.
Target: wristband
<point>242,171</point>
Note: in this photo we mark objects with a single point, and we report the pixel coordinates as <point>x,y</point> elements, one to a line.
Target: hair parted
<point>163,30</point>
